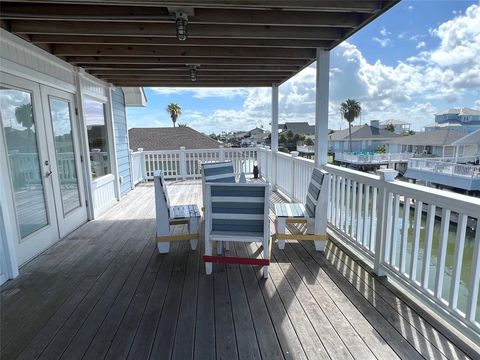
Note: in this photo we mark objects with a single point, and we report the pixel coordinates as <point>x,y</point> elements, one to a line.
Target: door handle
<point>48,173</point>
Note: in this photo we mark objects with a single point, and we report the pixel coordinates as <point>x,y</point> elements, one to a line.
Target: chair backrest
<point>221,171</point>
<point>162,202</point>
<point>314,189</point>
<point>238,208</point>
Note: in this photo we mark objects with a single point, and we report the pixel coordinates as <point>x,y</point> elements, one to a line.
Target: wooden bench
<point>168,217</point>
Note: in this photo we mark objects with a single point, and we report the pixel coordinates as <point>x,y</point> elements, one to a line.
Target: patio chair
<point>167,216</point>
<point>313,213</point>
<point>237,212</point>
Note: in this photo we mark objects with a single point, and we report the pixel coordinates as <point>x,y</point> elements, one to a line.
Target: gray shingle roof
<point>362,132</point>
<point>303,128</point>
<point>151,139</point>
<point>430,138</point>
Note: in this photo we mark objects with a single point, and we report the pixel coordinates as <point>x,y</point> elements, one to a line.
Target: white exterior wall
<point>26,61</point>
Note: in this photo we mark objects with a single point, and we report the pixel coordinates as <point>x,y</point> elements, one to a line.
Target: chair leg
<point>266,255</point>
<point>192,229</point>
<point>219,247</point>
<point>163,247</point>
<point>280,225</point>
<point>320,245</point>
<point>208,251</point>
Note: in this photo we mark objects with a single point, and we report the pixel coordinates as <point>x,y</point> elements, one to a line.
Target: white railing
<point>443,167</point>
<point>185,164</point>
<point>428,240</point>
<point>137,168</point>
<point>372,158</point>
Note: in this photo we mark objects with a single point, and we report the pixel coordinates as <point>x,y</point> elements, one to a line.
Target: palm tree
<point>175,111</point>
<point>350,110</point>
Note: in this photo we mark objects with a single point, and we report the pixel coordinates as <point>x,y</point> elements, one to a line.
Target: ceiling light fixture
<point>193,73</point>
<point>181,21</point>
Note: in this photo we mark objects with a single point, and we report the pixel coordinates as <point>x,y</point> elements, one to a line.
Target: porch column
<point>274,138</point>
<point>321,107</point>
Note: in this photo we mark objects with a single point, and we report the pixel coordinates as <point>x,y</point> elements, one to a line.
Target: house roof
<point>430,138</point>
<point>394,122</point>
<point>363,132</point>
<point>151,139</point>
<point>462,111</point>
<point>303,128</point>
<point>470,139</point>
<point>233,43</point>
<point>443,125</point>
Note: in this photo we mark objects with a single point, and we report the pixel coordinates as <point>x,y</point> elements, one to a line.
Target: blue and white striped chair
<point>237,212</point>
<point>167,216</point>
<point>313,213</point>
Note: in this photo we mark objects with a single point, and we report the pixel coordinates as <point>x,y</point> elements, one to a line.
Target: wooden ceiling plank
<point>170,41</point>
<point>105,13</point>
<point>367,6</point>
<point>168,30</point>
<point>186,71</point>
<point>178,51</point>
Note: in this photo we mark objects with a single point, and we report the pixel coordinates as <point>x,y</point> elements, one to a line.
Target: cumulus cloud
<point>421,44</point>
<point>202,93</point>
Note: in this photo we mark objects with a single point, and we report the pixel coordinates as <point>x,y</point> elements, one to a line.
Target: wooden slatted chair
<point>237,212</point>
<point>167,216</point>
<point>312,213</point>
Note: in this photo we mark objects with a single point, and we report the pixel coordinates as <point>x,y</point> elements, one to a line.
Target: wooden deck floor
<point>105,292</point>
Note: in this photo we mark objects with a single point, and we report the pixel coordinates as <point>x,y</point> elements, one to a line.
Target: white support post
<point>183,163</point>
<point>294,154</point>
<point>321,107</point>
<point>221,153</point>
<point>132,170</point>
<point>112,145</point>
<point>383,217</point>
<point>274,140</point>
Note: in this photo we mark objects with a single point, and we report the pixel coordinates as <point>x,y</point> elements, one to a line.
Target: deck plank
<point>105,292</point>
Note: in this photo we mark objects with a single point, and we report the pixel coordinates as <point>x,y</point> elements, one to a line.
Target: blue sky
<point>419,58</point>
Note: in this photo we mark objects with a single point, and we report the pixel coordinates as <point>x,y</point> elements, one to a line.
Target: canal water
<point>467,253</point>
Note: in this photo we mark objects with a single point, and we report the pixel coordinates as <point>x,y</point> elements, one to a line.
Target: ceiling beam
<point>367,6</point>
<point>168,83</point>
<point>186,71</point>
<point>187,79</point>
<point>178,51</point>
<point>181,60</point>
<point>205,68</point>
<point>170,41</point>
<point>105,13</point>
<point>168,30</point>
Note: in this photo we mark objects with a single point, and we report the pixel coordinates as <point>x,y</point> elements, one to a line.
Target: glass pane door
<point>65,154</point>
<point>20,129</point>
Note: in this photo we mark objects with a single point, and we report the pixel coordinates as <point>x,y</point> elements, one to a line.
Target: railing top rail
<point>200,150</point>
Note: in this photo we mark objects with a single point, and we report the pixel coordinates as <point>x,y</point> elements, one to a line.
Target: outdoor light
<point>193,73</point>
<point>181,20</point>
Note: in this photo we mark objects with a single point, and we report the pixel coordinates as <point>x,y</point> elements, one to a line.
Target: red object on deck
<point>235,260</point>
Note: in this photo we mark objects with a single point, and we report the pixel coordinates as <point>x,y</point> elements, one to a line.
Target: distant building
<point>399,127</point>
<point>469,119</point>
<point>300,128</point>
<point>364,138</point>
<point>444,126</point>
<point>255,137</point>
<point>437,143</point>
<point>169,138</point>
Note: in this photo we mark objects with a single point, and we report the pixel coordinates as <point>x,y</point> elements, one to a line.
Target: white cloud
<point>202,93</point>
<point>421,44</point>
<point>384,32</point>
<point>410,7</point>
<point>383,42</point>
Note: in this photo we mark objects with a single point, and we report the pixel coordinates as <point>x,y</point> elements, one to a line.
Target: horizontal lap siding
<point>121,140</point>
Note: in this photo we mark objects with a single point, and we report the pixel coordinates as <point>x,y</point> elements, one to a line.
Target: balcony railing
<point>372,158</point>
<point>425,239</point>
<point>445,166</point>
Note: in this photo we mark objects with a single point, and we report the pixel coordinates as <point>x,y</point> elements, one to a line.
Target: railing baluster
<point>365,237</point>
<point>342,204</point>
<point>475,277</point>
<point>427,250</point>
<point>442,252</point>
<point>387,235</point>
<point>416,239</point>
<point>348,217</point>
<point>374,220</point>
<point>337,201</point>
<point>354,214</point>
<point>359,213</point>
<point>405,227</point>
<point>458,260</point>
<point>394,235</point>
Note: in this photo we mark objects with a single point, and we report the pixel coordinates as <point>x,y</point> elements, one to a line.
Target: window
<point>94,112</point>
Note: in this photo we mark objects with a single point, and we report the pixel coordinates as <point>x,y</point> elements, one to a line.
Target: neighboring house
<point>444,126</point>
<point>169,138</point>
<point>399,127</point>
<point>469,145</point>
<point>300,128</point>
<point>364,138</point>
<point>437,143</point>
<point>469,119</point>
<point>255,137</point>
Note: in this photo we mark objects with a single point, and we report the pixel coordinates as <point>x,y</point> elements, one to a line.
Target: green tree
<point>174,110</point>
<point>182,125</point>
<point>390,128</point>
<point>350,110</point>
<point>309,142</point>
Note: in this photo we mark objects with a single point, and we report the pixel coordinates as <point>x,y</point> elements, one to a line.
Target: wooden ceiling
<point>233,43</point>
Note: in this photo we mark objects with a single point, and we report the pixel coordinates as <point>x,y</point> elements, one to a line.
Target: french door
<point>40,153</point>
